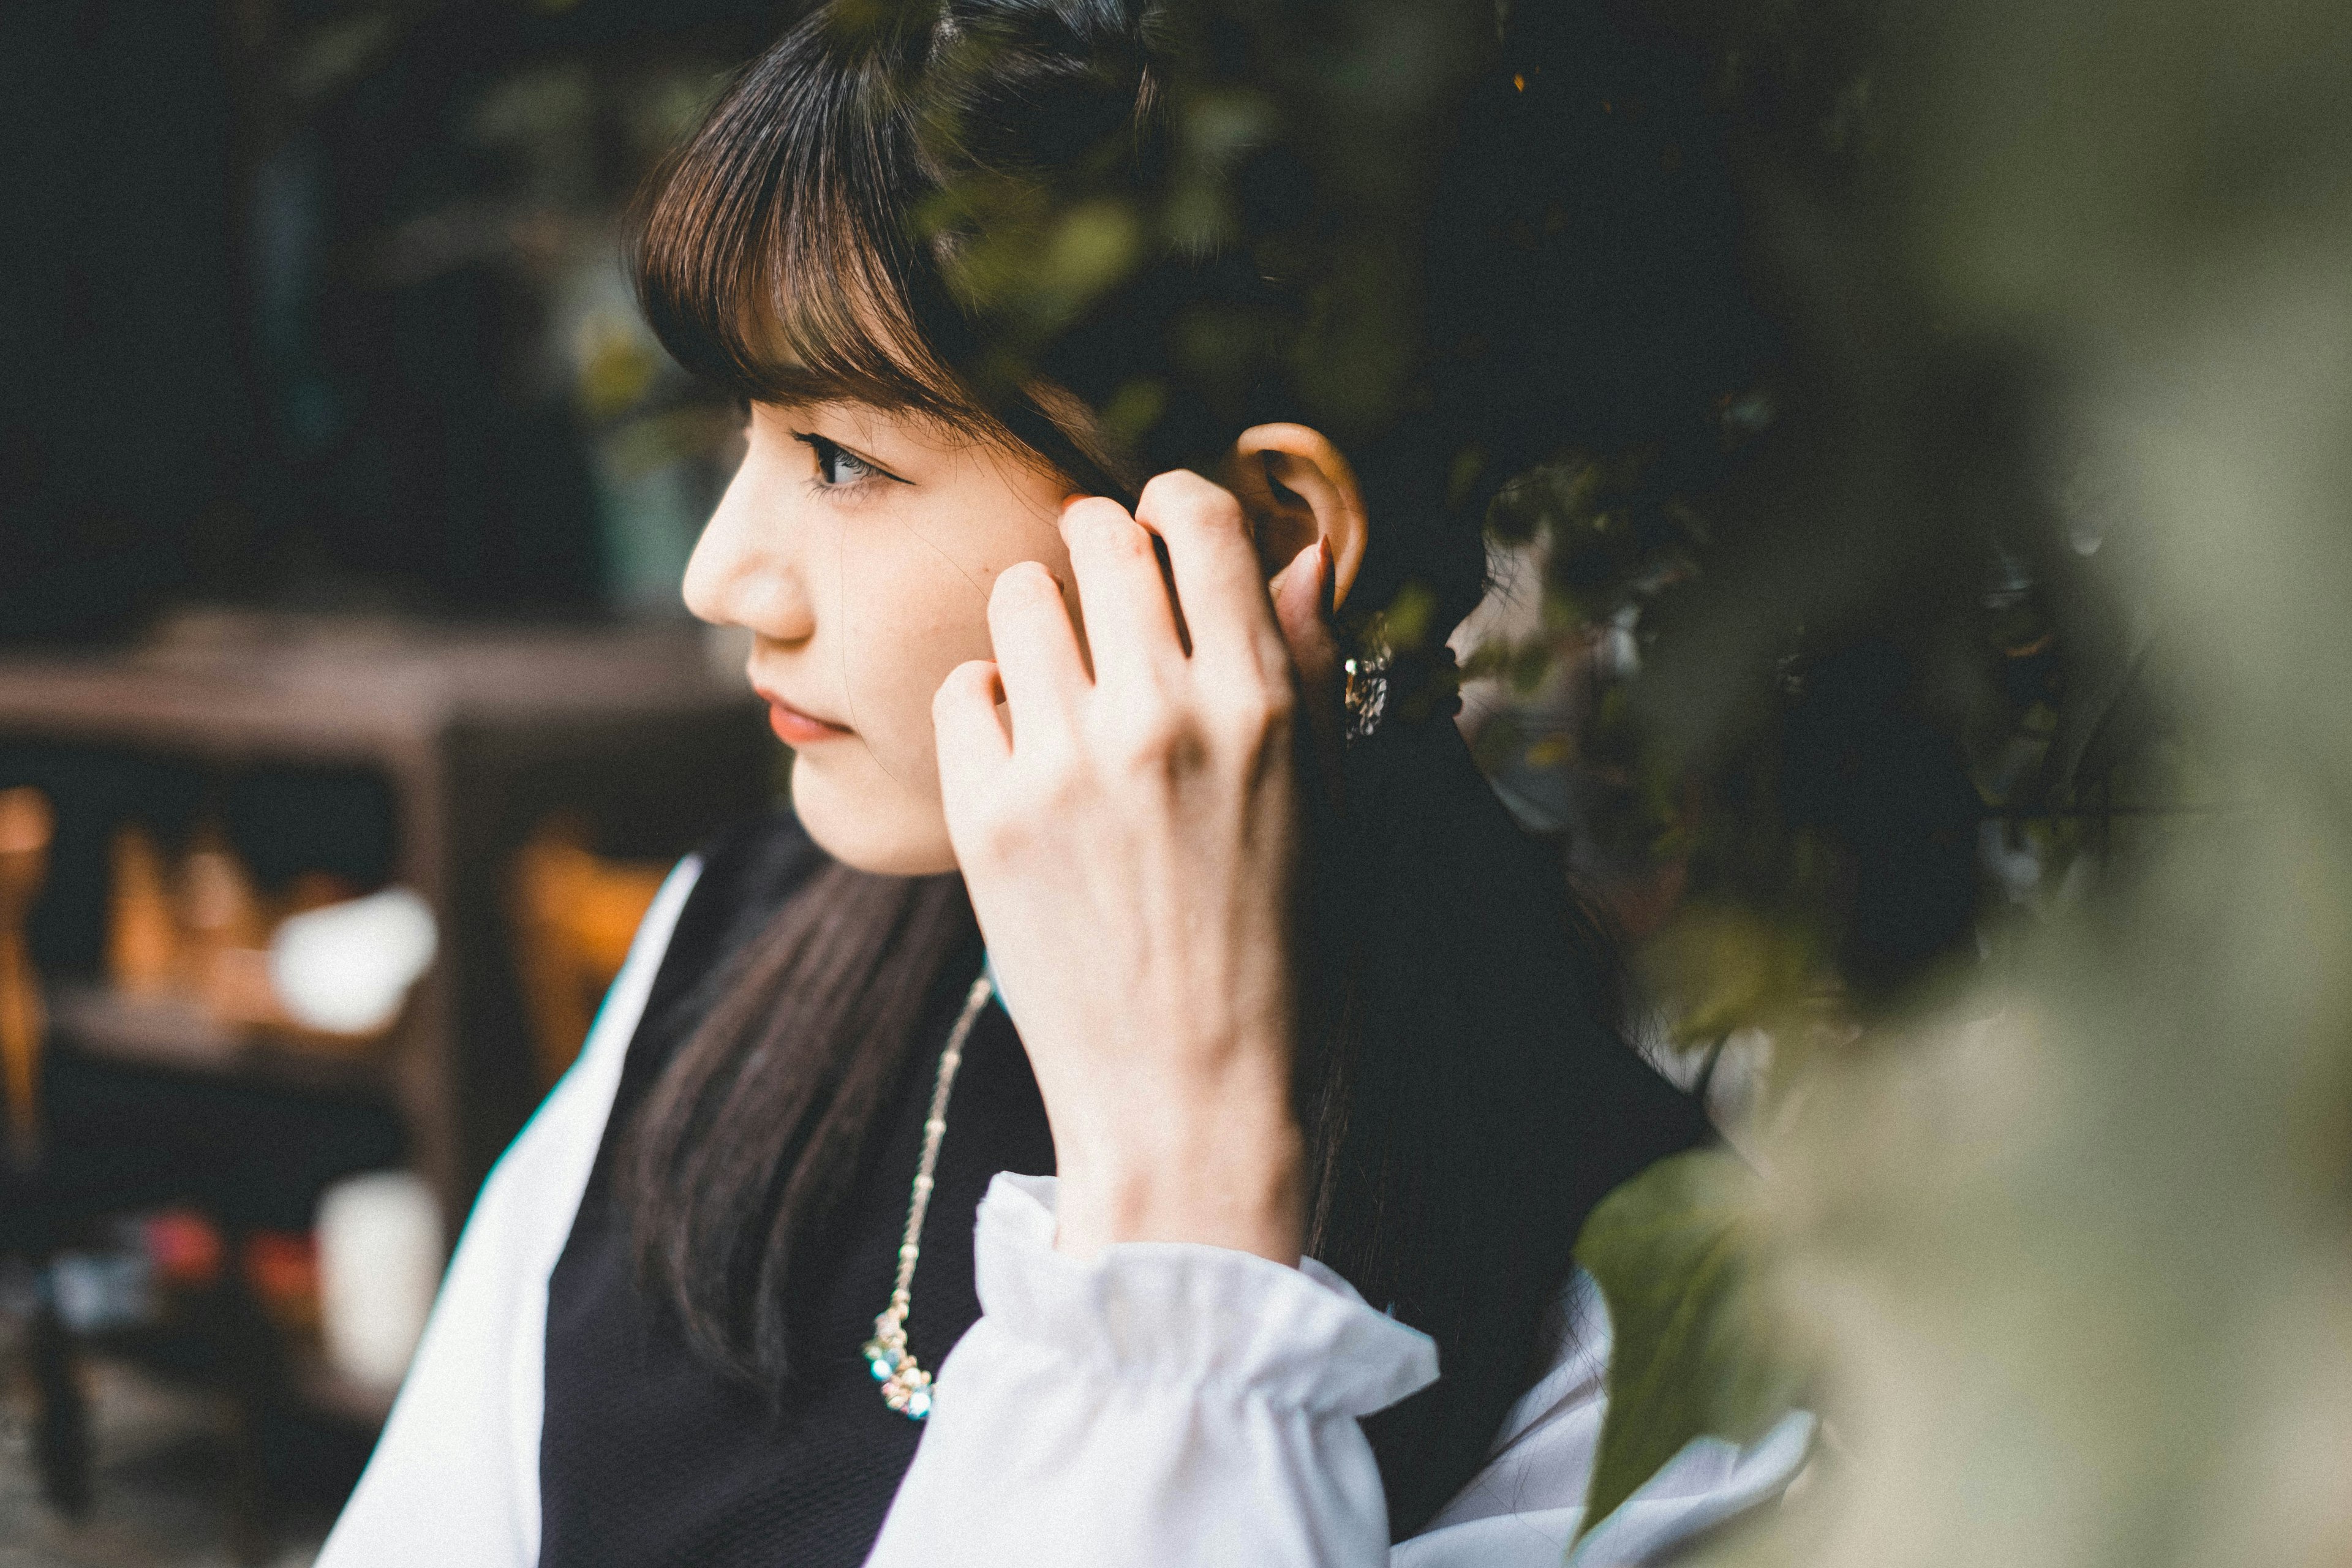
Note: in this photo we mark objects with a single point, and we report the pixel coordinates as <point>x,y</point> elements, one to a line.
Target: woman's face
<point>858,547</point>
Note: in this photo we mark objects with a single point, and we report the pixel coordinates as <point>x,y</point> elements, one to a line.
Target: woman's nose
<point>743,571</point>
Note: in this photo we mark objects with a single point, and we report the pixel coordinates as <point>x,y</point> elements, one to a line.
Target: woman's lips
<point>796,728</point>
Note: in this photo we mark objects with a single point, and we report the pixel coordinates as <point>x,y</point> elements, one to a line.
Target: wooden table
<point>478,733</point>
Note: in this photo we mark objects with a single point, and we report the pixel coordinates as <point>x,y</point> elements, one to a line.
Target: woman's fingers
<point>1131,623</point>
<point>964,712</point>
<point>1037,657</point>
<point>1302,607</point>
<point>1218,584</point>
<point>973,745</point>
<point>1301,594</point>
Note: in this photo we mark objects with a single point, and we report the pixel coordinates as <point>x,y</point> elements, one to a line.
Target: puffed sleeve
<point>1167,1404</point>
<point>1161,1403</point>
<point>453,1480</point>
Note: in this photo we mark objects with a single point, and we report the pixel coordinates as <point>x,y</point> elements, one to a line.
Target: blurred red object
<point>281,1269</point>
<point>184,1249</point>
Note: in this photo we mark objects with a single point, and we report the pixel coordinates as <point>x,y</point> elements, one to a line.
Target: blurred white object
<point>379,1267</point>
<point>346,968</point>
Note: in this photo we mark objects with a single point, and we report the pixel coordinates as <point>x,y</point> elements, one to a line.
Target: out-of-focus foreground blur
<point>1923,625</point>
<point>2072,1231</point>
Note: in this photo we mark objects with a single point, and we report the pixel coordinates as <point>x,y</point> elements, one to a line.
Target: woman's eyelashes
<point>837,467</point>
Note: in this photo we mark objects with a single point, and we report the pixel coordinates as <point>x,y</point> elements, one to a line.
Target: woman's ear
<point>1295,486</point>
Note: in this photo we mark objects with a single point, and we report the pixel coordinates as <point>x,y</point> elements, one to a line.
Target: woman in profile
<point>1133,902</point>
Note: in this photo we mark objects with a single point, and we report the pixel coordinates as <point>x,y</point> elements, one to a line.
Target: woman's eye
<point>835,466</point>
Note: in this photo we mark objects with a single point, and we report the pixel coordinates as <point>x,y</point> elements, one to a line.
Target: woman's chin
<point>870,822</point>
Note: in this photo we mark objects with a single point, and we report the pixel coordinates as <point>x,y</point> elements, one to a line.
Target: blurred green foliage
<point>1694,1353</point>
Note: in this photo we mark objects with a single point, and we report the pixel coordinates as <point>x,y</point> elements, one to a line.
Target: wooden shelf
<point>174,1033</point>
<point>356,691</point>
<point>479,734</point>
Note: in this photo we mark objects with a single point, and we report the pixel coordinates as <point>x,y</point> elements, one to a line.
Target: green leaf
<point>1677,1254</point>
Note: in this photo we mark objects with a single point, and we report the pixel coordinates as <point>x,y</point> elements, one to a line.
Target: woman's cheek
<point>917,615</point>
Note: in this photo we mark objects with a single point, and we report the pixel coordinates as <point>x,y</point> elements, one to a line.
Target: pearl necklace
<point>905,1386</point>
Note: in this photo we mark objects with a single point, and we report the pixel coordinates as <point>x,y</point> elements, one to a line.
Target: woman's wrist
<point>1215,1174</point>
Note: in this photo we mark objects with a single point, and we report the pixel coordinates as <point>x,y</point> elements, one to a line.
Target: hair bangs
<point>774,258</point>
<point>778,257</point>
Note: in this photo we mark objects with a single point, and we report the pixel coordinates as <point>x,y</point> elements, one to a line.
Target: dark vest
<point>647,1454</point>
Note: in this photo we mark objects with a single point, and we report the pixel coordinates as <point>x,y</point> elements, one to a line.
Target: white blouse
<point>1163,1405</point>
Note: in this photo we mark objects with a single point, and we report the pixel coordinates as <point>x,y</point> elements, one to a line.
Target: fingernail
<point>1290,568</point>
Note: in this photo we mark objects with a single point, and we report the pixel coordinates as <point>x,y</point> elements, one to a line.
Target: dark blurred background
<point>317,304</point>
<point>343,500</point>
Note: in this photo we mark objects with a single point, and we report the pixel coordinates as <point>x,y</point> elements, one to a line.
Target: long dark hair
<point>1464,1083</point>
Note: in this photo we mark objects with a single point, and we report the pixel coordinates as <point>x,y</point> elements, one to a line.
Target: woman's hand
<point>1131,845</point>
